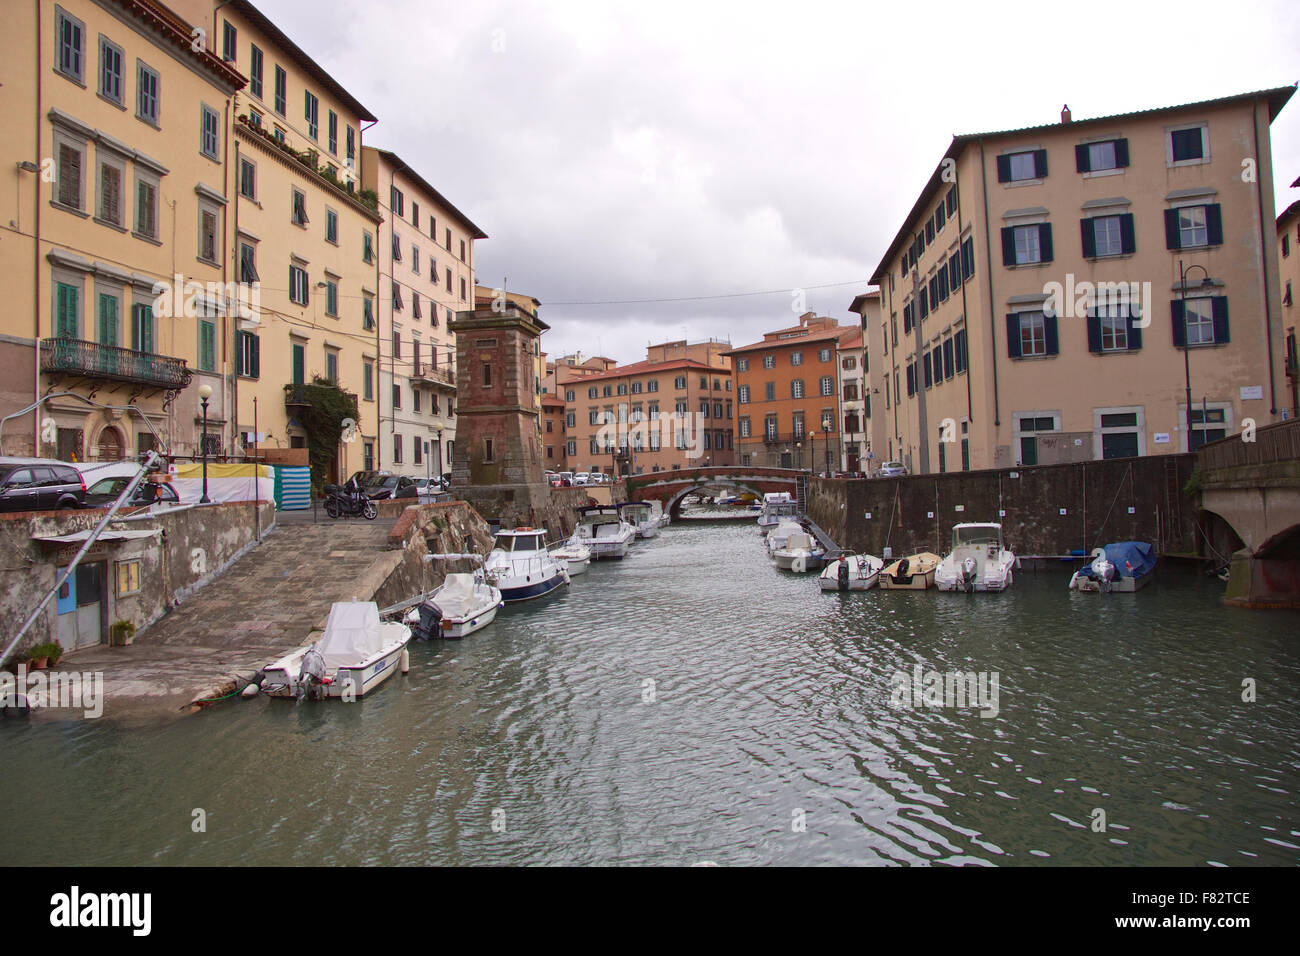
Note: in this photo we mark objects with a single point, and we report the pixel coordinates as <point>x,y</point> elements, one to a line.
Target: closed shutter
<point>1050,337</point>
<point>1094,331</point>
<point>1013,335</point>
<point>1134,332</point>
<point>1008,246</point>
<point>1127,235</point>
<point>959,348</point>
<point>967,259</point>
<point>911,379</point>
<point>1082,161</point>
<point>107,320</point>
<point>142,328</point>
<point>1214,224</point>
<point>255,356</point>
<point>1045,241</point>
<point>947,358</point>
<point>1171,229</point>
<point>1089,234</point>
<point>1004,169</point>
<point>1040,163</point>
<point>1121,153</point>
<point>1179,318</point>
<point>1220,307</point>
<point>925,369</point>
<point>110,194</point>
<point>66,312</point>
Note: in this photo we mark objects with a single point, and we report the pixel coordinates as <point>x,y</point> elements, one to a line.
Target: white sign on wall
<point>1162,438</point>
<point>1252,392</point>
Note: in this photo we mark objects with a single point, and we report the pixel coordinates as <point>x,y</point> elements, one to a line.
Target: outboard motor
<point>311,676</point>
<point>842,574</point>
<point>1108,576</point>
<point>430,619</point>
<point>903,567</point>
<point>969,570</point>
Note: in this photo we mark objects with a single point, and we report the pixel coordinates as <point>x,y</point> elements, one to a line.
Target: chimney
<point>1065,113</point>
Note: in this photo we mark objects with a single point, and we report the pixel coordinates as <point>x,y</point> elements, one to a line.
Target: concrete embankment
<point>1044,510</point>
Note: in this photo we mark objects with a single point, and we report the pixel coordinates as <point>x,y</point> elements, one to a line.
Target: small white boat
<point>576,554</point>
<point>912,573</point>
<point>778,536</point>
<point>777,505</point>
<point>641,517</point>
<point>356,654</point>
<point>1124,566</point>
<point>658,514</point>
<point>802,552</point>
<point>463,604</point>
<point>604,532</point>
<point>978,561</point>
<point>851,572</point>
<point>521,568</point>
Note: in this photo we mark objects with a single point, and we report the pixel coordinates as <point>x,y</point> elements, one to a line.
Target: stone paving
<point>266,604</point>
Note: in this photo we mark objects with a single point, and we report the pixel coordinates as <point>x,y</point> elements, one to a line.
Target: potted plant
<point>121,633</point>
<point>55,653</point>
<point>38,657</point>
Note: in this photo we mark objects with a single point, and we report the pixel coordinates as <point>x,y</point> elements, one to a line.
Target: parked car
<point>104,492</point>
<point>582,478</point>
<point>428,489</point>
<point>566,479</point>
<point>38,484</point>
<point>891,469</point>
<point>384,486</point>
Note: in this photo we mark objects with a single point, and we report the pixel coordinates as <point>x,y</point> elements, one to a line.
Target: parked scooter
<point>348,500</point>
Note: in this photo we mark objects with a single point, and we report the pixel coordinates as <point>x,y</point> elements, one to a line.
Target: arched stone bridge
<point>1252,488</point>
<point>670,487</point>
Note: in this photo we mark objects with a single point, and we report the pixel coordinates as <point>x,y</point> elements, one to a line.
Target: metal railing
<point>427,373</point>
<point>78,357</point>
<point>1273,443</point>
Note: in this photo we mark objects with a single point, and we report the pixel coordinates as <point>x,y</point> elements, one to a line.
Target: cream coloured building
<point>118,136</point>
<point>990,350</point>
<point>1288,251</point>
<point>426,255</point>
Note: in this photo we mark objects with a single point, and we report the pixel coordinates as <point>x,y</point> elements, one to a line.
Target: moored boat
<point>802,552</point>
<point>979,561</point>
<point>641,517</point>
<point>777,506</point>
<point>463,604</point>
<point>521,567</point>
<point>851,572</point>
<point>778,536</point>
<point>1124,566</point>
<point>575,554</point>
<point>604,532</point>
<point>912,573</point>
<point>356,653</point>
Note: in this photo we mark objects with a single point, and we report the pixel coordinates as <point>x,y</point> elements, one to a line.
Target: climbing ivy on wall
<point>326,407</point>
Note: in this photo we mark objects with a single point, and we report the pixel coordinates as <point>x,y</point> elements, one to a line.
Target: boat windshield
<point>982,535</point>
<point>517,542</point>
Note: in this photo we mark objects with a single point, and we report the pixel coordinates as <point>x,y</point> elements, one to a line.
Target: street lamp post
<point>205,393</point>
<point>1187,344</point>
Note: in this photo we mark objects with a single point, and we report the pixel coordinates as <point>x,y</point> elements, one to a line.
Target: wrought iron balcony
<point>75,357</point>
<point>429,375</point>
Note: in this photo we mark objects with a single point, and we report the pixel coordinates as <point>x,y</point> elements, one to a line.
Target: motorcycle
<point>342,500</point>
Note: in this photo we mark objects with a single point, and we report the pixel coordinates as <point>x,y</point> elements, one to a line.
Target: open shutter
<point>925,369</point>
<point>1050,338</point>
<point>1082,161</point>
<point>1045,242</point>
<point>1134,333</point>
<point>1214,224</point>
<point>255,356</point>
<point>1171,229</point>
<point>1013,335</point>
<point>1089,238</point>
<point>1040,163</point>
<point>1127,236</point>
<point>1008,246</point>
<point>1179,323</point>
<point>1220,307</point>
<point>959,347</point>
<point>1121,153</point>
<point>1004,169</point>
<point>1094,331</point>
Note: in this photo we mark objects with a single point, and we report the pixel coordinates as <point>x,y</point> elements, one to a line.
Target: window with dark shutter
<point>967,258</point>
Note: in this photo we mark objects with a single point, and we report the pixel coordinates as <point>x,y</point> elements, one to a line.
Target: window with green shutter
<point>299,364</point>
<point>107,319</point>
<point>142,328</point>
<point>65,310</point>
<point>207,345</point>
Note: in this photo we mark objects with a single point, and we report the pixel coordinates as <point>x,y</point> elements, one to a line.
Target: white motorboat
<point>463,604</point>
<point>356,654</point>
<point>978,561</point>
<point>851,572</point>
<point>777,505</point>
<point>641,517</point>
<point>573,552</point>
<point>521,567</point>
<point>778,536</point>
<point>604,532</point>
<point>1123,566</point>
<point>661,517</point>
<point>802,552</point>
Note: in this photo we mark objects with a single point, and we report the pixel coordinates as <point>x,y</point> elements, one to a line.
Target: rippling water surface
<point>693,703</point>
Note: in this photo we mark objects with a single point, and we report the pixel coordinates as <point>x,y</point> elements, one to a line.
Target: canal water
<point>693,703</point>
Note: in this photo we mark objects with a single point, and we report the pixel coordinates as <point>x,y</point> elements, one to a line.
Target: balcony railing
<point>788,438</point>
<point>92,360</point>
<point>428,375</point>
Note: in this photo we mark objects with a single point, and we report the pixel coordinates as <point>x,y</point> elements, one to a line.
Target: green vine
<point>1194,484</point>
<point>323,408</point>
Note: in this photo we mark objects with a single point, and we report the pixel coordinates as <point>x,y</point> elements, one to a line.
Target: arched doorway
<point>110,445</point>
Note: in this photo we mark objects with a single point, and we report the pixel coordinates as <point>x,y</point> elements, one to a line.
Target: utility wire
<point>701,298</point>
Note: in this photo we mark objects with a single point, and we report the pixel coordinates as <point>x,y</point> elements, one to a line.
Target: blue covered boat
<point>1121,566</point>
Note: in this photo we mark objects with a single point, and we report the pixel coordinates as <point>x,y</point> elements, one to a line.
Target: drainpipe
<point>1263,265</point>
<point>232,413</point>
<point>379,417</point>
<point>36,244</point>
<point>970,407</point>
<point>993,315</point>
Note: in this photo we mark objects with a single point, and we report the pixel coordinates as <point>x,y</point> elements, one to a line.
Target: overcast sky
<point>654,150</point>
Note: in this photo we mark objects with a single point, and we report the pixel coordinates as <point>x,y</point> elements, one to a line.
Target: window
<point>769,361</point>
<point>331,298</point>
<point>247,262</point>
<point>128,577</point>
<point>255,118</point>
<point>255,71</point>
<point>448,234</point>
<point>142,327</point>
<point>796,388</point>
<point>109,307</point>
<point>71,159</point>
<point>1120,432</point>
<point>367,247</point>
<point>415,256</point>
<point>397,395</point>
<point>1026,245</point>
<point>679,382</point>
<point>397,296</point>
<point>463,293</point>
<point>69,33</point>
<point>367,313</point>
<point>311,112</point>
<point>331,226</point>
<point>967,258</point>
<point>228,42</point>
<point>1209,423</point>
<point>1189,145</point>
<point>396,201</point>
<point>331,365</point>
<point>1023,166</point>
<point>247,179</point>
<point>742,365</point>
<point>487,449</point>
<point>769,391</point>
<point>827,385</point>
<point>299,209</point>
<point>769,427</point>
<point>207,345</point>
<point>299,353</point>
<point>487,375</point>
<point>652,385</point>
<point>110,191</point>
<point>146,96</point>
<point>1114,329</point>
<point>146,207</point>
<point>462,250</point>
<point>209,136</point>
<point>398,440</point>
<point>1189,227</point>
<point>745,427</point>
<point>110,71</point>
<point>297,285</point>
<point>1200,321</point>
<point>1100,157</point>
<point>448,280</point>
<point>416,446</point>
<point>1108,236</point>
<point>281,90</point>
<point>208,233</point>
<point>351,144</point>
<point>67,310</point>
<point>247,355</point>
<point>1031,334</point>
<point>333,132</point>
<point>796,358</point>
<point>743,395</point>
